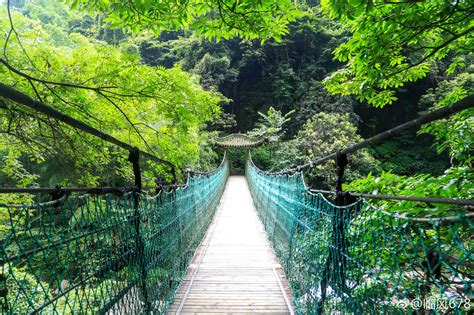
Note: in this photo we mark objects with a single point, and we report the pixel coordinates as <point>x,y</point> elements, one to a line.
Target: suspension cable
<point>21,98</point>
<point>465,103</point>
<point>452,201</point>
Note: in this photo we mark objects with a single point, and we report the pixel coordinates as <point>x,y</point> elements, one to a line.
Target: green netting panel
<point>101,254</point>
<point>357,259</point>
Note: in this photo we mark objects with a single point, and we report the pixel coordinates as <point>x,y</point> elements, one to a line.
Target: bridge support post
<point>338,252</point>
<point>134,158</point>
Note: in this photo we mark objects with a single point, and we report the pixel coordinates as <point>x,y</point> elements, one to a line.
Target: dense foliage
<point>454,136</point>
<point>396,42</point>
<point>156,109</point>
<point>215,19</point>
<point>323,134</point>
<point>289,76</point>
<point>170,76</point>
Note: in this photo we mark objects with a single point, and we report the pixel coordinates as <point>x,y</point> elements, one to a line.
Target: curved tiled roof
<point>238,140</point>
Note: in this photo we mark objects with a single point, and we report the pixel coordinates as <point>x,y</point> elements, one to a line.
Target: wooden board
<point>235,270</point>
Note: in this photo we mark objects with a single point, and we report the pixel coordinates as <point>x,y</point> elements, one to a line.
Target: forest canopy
<point>144,73</point>
<point>106,86</point>
<point>221,19</point>
<point>301,80</point>
<point>395,42</point>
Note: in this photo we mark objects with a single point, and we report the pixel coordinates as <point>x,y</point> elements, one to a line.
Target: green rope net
<point>357,259</point>
<point>121,254</point>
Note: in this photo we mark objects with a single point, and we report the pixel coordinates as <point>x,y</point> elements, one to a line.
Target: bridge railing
<point>347,256</point>
<point>356,259</point>
<point>122,252</point>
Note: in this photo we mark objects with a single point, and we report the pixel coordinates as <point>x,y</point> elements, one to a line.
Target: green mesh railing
<point>120,254</point>
<point>357,259</point>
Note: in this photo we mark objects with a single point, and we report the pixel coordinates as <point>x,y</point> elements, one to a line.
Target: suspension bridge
<point>262,243</point>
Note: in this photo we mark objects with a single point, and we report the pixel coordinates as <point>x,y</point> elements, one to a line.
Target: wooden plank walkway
<point>235,269</point>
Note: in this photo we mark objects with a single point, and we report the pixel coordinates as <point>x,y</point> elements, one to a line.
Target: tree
<point>321,135</point>
<point>158,110</point>
<point>317,99</point>
<point>394,42</point>
<point>211,61</point>
<point>270,125</point>
<point>214,19</point>
<point>453,135</point>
